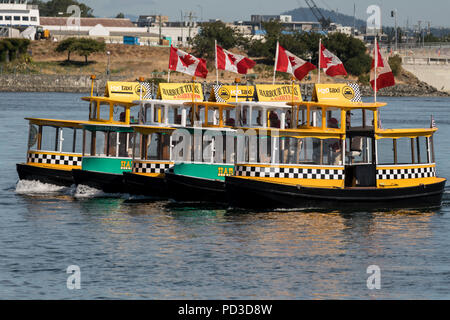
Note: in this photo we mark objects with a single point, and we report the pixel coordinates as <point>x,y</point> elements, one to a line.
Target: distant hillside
<point>305,14</point>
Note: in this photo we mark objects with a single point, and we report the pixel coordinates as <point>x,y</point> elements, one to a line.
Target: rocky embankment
<point>409,85</point>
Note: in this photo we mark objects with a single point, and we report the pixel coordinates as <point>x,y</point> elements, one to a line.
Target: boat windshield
<point>54,139</point>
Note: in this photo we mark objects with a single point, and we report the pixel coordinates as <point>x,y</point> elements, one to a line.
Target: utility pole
<point>394,15</point>
<point>191,16</point>
<point>160,31</point>
<point>354,19</point>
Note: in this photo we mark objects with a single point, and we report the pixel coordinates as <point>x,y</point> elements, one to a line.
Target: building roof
<point>88,22</point>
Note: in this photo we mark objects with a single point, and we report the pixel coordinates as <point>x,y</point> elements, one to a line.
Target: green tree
<point>203,42</point>
<point>52,8</point>
<point>120,16</point>
<point>86,46</point>
<point>82,46</point>
<point>68,45</point>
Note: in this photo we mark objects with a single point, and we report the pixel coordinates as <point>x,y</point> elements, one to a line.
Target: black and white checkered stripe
<point>355,87</point>
<point>291,173</point>
<point>148,91</point>
<point>410,173</point>
<point>216,93</point>
<point>151,167</point>
<point>55,159</point>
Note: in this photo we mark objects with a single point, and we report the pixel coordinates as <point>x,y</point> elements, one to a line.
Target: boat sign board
<point>279,93</point>
<point>226,94</point>
<point>336,93</point>
<point>180,91</point>
<point>129,91</point>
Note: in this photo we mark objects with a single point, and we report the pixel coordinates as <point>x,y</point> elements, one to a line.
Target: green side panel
<point>107,165</point>
<point>204,170</point>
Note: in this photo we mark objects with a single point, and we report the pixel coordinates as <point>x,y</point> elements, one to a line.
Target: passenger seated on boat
<point>230,122</point>
<point>122,116</point>
<point>243,117</point>
<point>288,119</point>
<point>333,145</point>
<point>356,147</point>
<point>274,121</point>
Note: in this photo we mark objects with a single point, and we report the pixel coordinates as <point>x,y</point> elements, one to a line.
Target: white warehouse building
<point>18,13</point>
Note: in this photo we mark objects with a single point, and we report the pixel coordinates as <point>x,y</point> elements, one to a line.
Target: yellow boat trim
<point>152,129</point>
<point>405,183</point>
<point>53,166</point>
<point>404,133</point>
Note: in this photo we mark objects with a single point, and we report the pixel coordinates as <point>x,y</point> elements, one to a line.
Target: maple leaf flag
<point>287,62</point>
<point>184,62</point>
<point>385,76</point>
<point>229,61</point>
<point>332,65</point>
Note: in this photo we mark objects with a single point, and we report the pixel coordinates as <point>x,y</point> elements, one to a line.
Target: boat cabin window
<point>103,112</point>
<point>210,146</point>
<point>333,118</point>
<point>55,139</point>
<point>359,119</point>
<point>257,116</point>
<point>157,113</point>
<point>158,146</point>
<point>289,150</point>
<point>107,144</point>
<point>405,151</point>
<point>359,150</point>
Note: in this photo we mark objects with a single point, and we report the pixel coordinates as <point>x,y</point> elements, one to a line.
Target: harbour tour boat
<point>333,154</point>
<point>107,148</point>
<point>153,144</point>
<point>55,146</point>
<point>54,150</point>
<point>203,153</point>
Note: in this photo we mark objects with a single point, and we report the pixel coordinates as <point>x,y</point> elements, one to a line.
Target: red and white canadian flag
<point>184,62</point>
<point>229,61</point>
<point>287,62</point>
<point>384,75</point>
<point>332,65</point>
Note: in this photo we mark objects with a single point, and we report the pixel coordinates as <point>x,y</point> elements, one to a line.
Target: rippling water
<point>161,250</point>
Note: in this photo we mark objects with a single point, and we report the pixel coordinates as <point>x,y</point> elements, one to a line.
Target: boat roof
<point>210,104</point>
<point>160,101</point>
<point>123,102</point>
<point>73,123</point>
<point>341,105</point>
<point>264,104</point>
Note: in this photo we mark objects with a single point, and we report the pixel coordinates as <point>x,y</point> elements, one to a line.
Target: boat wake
<point>85,192</point>
<point>26,187</point>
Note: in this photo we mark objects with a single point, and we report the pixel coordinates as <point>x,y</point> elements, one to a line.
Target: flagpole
<point>320,60</point>
<point>276,64</point>
<point>168,76</point>
<point>375,69</point>
<point>193,90</point>
<point>217,70</point>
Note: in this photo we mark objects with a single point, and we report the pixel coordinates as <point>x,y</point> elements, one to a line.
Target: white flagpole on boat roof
<point>375,50</point>
<point>276,64</point>
<point>320,60</point>
<point>217,70</point>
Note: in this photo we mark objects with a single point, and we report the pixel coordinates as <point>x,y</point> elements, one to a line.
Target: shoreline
<point>82,84</point>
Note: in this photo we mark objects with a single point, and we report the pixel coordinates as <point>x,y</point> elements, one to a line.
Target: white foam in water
<point>83,191</point>
<point>37,187</point>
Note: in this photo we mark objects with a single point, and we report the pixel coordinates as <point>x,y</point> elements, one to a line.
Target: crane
<point>324,22</point>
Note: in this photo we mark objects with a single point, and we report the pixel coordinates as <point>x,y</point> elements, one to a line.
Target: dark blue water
<point>163,251</point>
